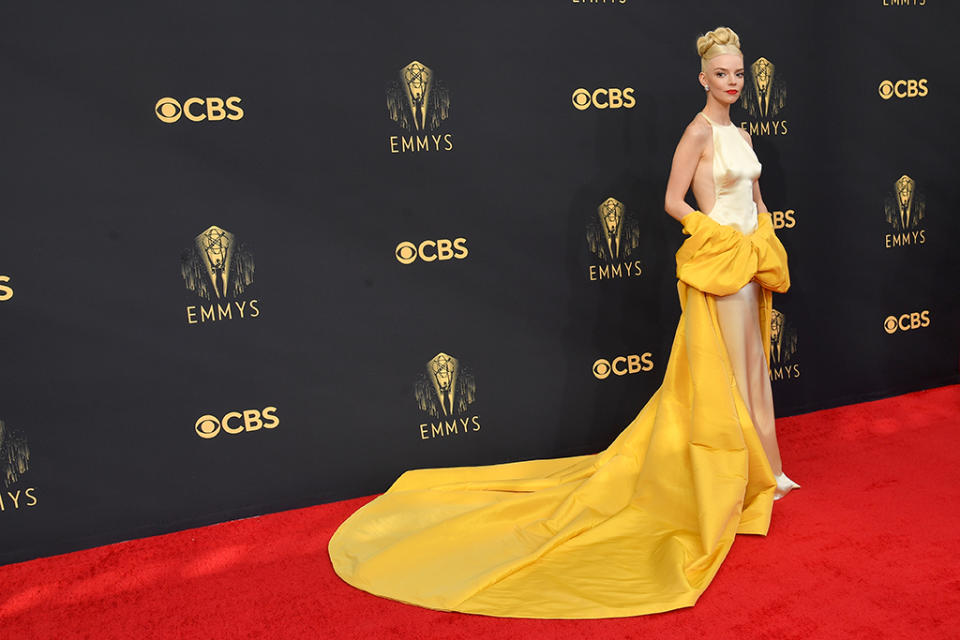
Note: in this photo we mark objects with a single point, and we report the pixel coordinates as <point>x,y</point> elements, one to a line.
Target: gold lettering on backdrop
<point>904,3</point>
<point>622,365</point>
<point>903,239</point>
<point>432,250</point>
<point>212,313</point>
<point>608,271</point>
<point>603,98</point>
<point>907,321</point>
<point>784,219</point>
<point>12,499</point>
<point>768,128</point>
<point>785,373</point>
<point>405,144</point>
<point>909,88</point>
<point>6,289</point>
<point>459,426</point>
<point>234,422</point>
<point>210,109</point>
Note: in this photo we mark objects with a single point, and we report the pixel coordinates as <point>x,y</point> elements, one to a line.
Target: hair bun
<point>721,36</point>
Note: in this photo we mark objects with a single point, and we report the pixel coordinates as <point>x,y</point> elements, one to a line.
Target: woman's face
<point>724,77</point>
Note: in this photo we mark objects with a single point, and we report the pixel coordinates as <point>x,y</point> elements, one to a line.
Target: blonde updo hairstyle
<point>716,43</point>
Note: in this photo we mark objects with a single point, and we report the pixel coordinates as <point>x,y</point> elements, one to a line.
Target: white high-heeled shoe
<point>784,485</point>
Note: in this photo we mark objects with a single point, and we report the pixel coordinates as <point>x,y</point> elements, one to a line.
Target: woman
<point>724,174</point>
<point>644,525</point>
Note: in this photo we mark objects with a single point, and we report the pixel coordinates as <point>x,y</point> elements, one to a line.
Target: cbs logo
<point>6,291</point>
<point>784,219</point>
<point>604,98</point>
<point>430,251</point>
<point>907,321</point>
<point>622,365</point>
<point>235,422</point>
<point>903,88</point>
<point>199,109</point>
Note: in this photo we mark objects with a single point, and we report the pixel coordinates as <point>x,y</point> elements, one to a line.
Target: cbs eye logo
<point>235,422</point>
<point>603,99</point>
<point>911,88</point>
<point>199,109</point>
<point>622,365</point>
<point>430,250</point>
<point>907,321</point>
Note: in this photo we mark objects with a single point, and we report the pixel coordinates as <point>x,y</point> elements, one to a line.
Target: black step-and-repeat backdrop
<point>262,257</point>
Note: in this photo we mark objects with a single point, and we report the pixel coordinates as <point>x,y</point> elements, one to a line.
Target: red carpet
<point>866,549</point>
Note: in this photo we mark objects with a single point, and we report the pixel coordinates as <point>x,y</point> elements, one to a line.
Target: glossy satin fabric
<point>735,167</point>
<point>638,528</point>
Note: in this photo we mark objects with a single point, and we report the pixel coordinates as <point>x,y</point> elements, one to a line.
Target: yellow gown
<point>637,528</point>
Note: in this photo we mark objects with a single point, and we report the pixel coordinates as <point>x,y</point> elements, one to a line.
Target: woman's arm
<point>685,159</point>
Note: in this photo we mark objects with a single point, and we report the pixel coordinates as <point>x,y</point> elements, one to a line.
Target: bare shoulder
<point>698,131</point>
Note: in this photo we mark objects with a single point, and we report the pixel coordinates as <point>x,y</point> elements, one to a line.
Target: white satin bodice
<point>735,167</point>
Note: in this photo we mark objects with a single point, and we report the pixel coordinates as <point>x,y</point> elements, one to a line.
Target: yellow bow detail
<point>718,259</point>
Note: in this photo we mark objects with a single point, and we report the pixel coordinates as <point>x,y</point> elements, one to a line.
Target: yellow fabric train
<point>638,528</point>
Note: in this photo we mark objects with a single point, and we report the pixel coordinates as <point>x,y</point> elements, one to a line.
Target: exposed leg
<point>738,316</point>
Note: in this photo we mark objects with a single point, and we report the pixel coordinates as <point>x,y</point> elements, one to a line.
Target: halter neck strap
<point>714,123</point>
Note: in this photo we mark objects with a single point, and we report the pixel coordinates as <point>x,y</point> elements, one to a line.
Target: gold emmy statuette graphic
<point>783,341</point>
<point>906,209</point>
<point>416,101</point>
<point>762,71</point>
<point>217,266</point>
<point>443,371</point>
<point>767,95</point>
<point>611,221</point>
<point>416,82</point>
<point>14,455</point>
<point>904,189</point>
<point>612,235</point>
<point>445,389</point>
